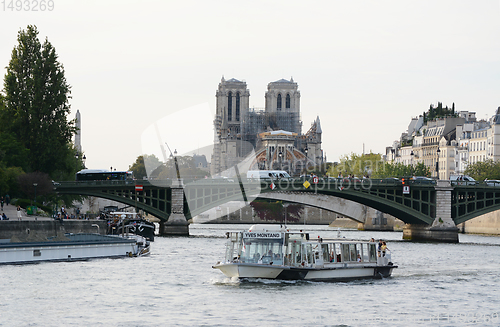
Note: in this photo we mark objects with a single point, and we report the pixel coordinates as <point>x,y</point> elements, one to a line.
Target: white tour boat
<point>273,252</point>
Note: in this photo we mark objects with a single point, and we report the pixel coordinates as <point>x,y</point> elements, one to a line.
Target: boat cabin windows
<point>355,252</point>
<point>334,252</point>
<point>266,248</point>
<point>232,250</point>
<point>373,252</point>
<point>295,252</point>
<point>365,252</point>
<point>326,252</point>
<point>295,249</point>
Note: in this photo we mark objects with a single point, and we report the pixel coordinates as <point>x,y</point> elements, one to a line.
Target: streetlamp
<point>437,163</point>
<point>305,161</point>
<point>77,156</point>
<point>176,166</point>
<point>411,163</point>
<point>285,205</point>
<point>35,185</point>
<point>280,154</point>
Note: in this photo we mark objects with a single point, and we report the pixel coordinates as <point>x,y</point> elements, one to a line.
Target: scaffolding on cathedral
<point>256,121</point>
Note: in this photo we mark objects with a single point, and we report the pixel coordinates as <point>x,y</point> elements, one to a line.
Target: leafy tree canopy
<point>439,112</point>
<point>187,169</point>
<point>43,184</point>
<point>480,171</point>
<point>144,165</point>
<point>400,170</point>
<point>35,107</point>
<point>357,165</point>
<point>372,165</point>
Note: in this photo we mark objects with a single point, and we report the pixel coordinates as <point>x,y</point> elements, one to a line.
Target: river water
<point>435,285</point>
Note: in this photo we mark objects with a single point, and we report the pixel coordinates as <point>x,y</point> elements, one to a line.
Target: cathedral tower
<point>283,106</point>
<point>232,101</point>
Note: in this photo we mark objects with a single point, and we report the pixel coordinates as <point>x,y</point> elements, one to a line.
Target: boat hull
<point>242,270</point>
<point>79,247</point>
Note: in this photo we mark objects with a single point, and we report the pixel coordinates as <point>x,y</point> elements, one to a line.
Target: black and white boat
<point>120,222</point>
<point>273,252</point>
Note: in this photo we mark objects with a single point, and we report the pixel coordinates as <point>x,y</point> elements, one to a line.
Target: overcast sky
<point>365,67</point>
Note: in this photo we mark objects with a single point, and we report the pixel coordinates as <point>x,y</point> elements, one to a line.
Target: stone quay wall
<point>486,224</point>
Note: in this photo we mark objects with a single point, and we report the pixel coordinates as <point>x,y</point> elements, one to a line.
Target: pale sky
<point>365,67</point>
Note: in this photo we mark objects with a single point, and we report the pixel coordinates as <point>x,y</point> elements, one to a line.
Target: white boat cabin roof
<point>121,214</point>
<point>267,228</point>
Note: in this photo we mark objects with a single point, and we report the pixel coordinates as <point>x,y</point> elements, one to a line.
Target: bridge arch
<point>346,208</point>
<point>154,200</point>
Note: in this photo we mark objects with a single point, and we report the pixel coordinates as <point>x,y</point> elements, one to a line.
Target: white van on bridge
<point>268,174</point>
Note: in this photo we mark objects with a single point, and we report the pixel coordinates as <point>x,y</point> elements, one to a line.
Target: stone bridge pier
<point>177,224</point>
<point>443,229</point>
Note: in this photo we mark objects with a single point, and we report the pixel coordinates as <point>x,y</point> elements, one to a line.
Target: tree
<point>9,181</point>
<point>357,165</point>
<point>144,165</point>
<point>371,164</point>
<point>482,170</point>
<point>36,104</point>
<point>401,170</point>
<point>187,169</point>
<point>43,185</point>
<point>439,112</point>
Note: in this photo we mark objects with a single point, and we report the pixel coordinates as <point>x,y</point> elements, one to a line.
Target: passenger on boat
<point>379,247</point>
<point>384,248</point>
<point>359,257</point>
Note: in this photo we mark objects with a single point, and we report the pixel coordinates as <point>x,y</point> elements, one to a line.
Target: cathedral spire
<point>318,125</point>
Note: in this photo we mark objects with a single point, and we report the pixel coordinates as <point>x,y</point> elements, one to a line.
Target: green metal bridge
<point>413,203</point>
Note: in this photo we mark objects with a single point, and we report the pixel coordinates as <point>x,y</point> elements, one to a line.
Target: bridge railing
<point>296,183</point>
<point>478,184</point>
<point>104,183</point>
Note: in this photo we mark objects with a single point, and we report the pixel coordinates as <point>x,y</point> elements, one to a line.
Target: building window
<point>279,102</point>
<point>287,103</point>
<point>230,106</point>
<point>237,106</point>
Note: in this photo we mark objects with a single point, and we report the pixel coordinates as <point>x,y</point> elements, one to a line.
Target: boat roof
<point>267,228</point>
<point>72,239</point>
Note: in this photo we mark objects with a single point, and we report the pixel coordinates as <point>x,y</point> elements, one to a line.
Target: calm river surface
<point>435,285</point>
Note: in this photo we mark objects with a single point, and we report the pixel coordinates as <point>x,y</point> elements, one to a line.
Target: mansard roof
<point>497,117</point>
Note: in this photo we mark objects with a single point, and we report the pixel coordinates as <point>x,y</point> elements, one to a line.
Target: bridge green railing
<point>386,195</point>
